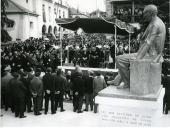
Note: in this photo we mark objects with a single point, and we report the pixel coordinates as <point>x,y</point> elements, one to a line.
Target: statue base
<point>118,107</point>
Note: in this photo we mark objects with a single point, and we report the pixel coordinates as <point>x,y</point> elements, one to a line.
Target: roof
<point>61,5</point>
<point>96,11</point>
<point>96,25</point>
<point>14,8</point>
<point>74,11</point>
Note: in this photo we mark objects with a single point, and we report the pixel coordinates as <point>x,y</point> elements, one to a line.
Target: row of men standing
<point>18,90</point>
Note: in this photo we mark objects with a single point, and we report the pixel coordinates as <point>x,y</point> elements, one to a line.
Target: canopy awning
<point>96,25</point>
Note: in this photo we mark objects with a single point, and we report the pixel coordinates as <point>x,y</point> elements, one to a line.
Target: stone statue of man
<point>152,46</point>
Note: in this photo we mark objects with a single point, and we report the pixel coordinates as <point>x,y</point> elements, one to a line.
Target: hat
<point>15,74</point>
<point>68,72</point>
<point>49,69</point>
<point>38,70</point>
<point>7,68</point>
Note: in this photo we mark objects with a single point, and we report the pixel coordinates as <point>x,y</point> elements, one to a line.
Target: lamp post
<point>115,44</point>
<point>61,56</point>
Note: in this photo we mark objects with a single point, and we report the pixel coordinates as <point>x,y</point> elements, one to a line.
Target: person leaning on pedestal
<point>98,85</point>
<point>151,49</point>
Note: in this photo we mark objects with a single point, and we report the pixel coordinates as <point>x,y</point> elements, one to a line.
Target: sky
<point>87,5</point>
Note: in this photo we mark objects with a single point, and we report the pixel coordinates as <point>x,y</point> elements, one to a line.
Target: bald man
<point>152,46</point>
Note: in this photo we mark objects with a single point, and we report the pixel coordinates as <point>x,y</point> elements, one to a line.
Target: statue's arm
<point>148,42</point>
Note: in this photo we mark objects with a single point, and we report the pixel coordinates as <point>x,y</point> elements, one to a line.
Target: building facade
<point>131,10</point>
<point>98,13</point>
<point>73,13</point>
<point>35,18</point>
<point>126,10</point>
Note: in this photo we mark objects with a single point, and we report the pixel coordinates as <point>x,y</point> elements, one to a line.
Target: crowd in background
<point>91,51</point>
<point>28,67</point>
<point>125,14</point>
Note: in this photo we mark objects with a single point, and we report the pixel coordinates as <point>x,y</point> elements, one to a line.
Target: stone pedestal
<point>145,77</point>
<point>121,108</point>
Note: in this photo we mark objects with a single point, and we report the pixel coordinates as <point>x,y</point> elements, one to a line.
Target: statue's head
<point>150,11</point>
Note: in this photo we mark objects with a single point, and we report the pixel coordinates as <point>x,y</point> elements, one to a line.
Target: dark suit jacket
<point>60,83</point>
<point>48,82</point>
<point>88,88</point>
<point>18,89</point>
<point>78,83</point>
<point>26,83</point>
<point>36,86</point>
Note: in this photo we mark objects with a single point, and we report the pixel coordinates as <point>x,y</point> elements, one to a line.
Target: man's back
<point>17,88</point>
<point>99,84</point>
<point>59,83</point>
<point>4,82</point>
<point>36,86</point>
<point>48,82</point>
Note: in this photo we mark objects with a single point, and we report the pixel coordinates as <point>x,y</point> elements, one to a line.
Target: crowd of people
<point>30,77</point>
<point>92,51</point>
<point>125,14</point>
<point>24,91</point>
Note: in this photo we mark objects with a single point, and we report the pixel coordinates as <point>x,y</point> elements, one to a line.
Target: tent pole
<point>61,58</point>
<point>115,45</point>
<point>129,43</point>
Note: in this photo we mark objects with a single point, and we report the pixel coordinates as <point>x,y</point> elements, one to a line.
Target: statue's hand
<point>159,58</point>
<point>108,82</point>
<point>133,58</point>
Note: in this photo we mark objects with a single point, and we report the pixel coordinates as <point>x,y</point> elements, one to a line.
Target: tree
<point>5,21</point>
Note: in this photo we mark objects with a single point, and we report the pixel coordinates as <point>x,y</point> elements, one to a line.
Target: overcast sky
<point>87,5</point>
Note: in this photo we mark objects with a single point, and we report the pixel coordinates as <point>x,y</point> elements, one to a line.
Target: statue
<point>151,49</point>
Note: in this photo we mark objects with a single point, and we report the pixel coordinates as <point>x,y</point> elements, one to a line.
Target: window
<point>43,11</point>
<point>55,13</point>
<point>63,14</point>
<point>49,10</point>
<point>60,2</point>
<point>10,25</point>
<point>31,25</point>
<point>59,14</point>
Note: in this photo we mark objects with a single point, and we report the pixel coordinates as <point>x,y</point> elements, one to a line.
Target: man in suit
<point>78,89</point>
<point>18,91</point>
<point>25,80</point>
<point>5,88</point>
<point>60,84</point>
<point>49,89</point>
<point>89,90</point>
<point>152,45</point>
<point>36,87</point>
<point>98,85</point>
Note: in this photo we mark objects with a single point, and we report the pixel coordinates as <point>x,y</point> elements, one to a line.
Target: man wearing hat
<point>18,91</point>
<point>26,82</point>
<point>5,87</point>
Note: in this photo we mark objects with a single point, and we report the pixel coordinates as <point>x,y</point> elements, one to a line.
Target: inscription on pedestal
<point>126,118</point>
